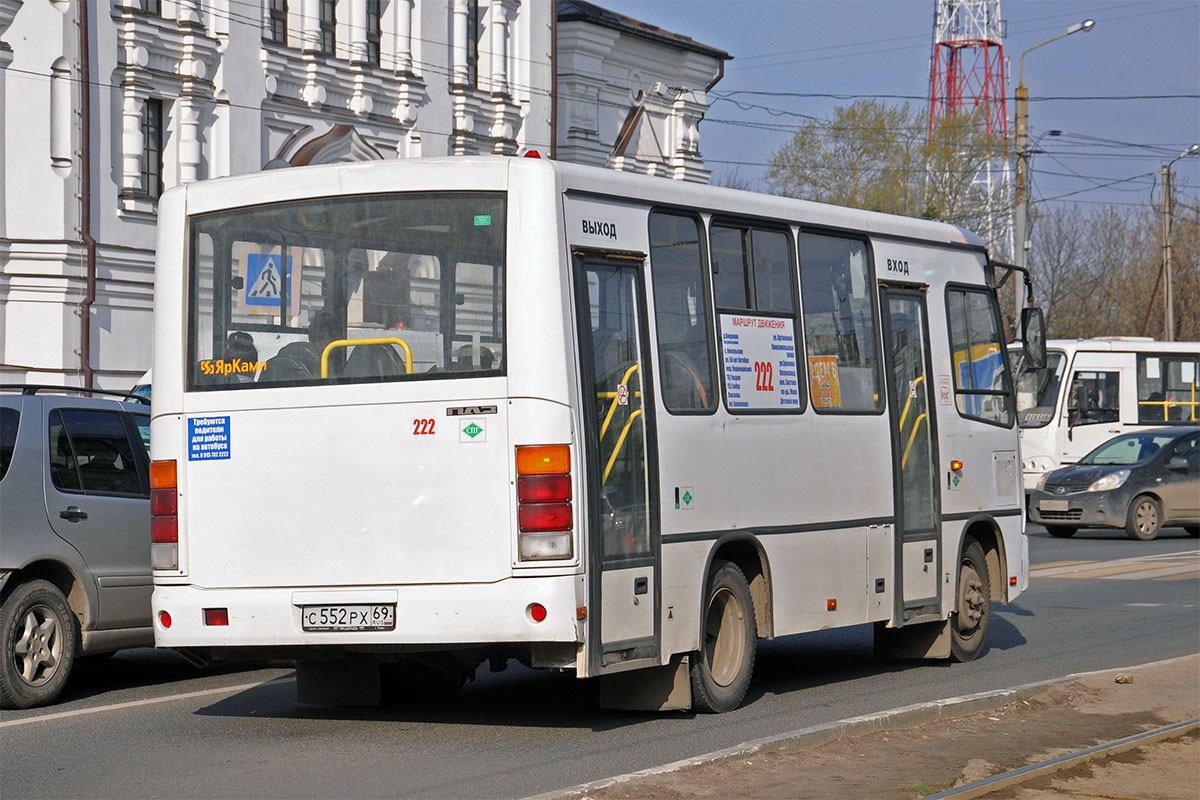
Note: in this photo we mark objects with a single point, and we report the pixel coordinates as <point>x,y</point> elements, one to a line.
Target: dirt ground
<point>914,762</point>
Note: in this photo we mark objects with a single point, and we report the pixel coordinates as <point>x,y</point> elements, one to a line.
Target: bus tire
<point>721,669</point>
<point>40,633</point>
<point>1060,531</point>
<point>972,604</point>
<point>1144,520</point>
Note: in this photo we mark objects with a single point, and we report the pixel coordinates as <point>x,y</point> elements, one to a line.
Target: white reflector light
<point>541,546</point>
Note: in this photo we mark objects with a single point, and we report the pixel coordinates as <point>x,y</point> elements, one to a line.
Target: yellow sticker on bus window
<point>823,375</point>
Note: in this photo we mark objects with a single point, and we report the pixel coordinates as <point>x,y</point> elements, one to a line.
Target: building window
<point>374,29</point>
<point>152,147</point>
<point>328,27</point>
<point>278,21</point>
<point>474,29</point>
<point>152,7</point>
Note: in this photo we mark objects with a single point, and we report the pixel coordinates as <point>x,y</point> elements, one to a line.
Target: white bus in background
<point>417,415</point>
<point>1090,390</point>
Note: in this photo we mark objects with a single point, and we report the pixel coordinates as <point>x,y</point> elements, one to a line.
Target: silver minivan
<point>74,534</point>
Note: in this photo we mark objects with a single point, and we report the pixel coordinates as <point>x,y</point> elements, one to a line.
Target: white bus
<point>417,415</point>
<point>1090,390</point>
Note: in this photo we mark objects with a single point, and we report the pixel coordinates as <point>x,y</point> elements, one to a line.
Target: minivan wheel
<point>1144,519</point>
<point>39,633</point>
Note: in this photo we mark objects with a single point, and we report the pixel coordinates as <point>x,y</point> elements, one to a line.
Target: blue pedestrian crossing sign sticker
<point>265,279</point>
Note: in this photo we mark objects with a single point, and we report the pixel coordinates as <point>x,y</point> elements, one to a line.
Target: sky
<point>1104,88</point>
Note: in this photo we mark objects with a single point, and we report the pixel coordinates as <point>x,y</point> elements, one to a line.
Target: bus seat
<point>294,362</point>
<point>374,361</point>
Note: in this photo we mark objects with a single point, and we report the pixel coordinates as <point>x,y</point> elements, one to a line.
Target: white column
<point>458,73</point>
<point>131,142</point>
<point>499,35</point>
<point>403,11</point>
<point>189,139</point>
<point>310,33</point>
<point>189,11</point>
<point>358,31</point>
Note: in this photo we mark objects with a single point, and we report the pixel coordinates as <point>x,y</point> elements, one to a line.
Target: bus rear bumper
<point>436,616</point>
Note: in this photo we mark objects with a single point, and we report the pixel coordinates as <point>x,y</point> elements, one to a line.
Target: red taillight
<point>164,529</point>
<point>544,516</point>
<point>164,519</point>
<point>163,501</point>
<point>543,488</point>
<point>216,616</point>
<point>164,619</point>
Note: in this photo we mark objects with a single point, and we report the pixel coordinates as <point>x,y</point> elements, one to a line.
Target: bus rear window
<point>347,290</point>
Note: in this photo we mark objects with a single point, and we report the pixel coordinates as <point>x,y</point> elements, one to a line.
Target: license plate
<point>1053,505</point>
<point>372,617</point>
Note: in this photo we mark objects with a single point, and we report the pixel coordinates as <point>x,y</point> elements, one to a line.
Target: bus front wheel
<point>972,604</point>
<point>721,669</point>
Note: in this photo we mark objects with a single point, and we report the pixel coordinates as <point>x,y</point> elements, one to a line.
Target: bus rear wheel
<point>721,669</point>
<point>972,604</point>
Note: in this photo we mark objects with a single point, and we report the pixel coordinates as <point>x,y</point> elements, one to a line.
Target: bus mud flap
<point>667,688</point>
<point>924,640</point>
<point>347,682</point>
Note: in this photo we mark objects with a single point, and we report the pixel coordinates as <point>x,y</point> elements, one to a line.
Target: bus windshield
<point>347,290</point>
<point>1037,390</point>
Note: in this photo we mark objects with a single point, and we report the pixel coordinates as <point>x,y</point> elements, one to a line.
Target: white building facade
<point>105,105</point>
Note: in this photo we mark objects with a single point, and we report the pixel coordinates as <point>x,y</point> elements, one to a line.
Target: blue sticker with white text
<point>208,438</point>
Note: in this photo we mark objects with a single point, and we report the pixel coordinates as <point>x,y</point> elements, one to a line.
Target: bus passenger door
<point>619,455</point>
<point>918,554</point>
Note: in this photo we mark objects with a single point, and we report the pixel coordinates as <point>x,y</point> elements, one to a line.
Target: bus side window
<point>840,324</point>
<point>685,352</point>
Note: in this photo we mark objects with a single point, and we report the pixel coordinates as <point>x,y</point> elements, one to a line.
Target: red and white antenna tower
<point>967,75</point>
<point>967,70</point>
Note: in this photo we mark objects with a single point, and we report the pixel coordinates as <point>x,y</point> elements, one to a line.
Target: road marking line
<point>1099,572</point>
<point>134,703</point>
<point>1182,576</point>
<point>1052,564</point>
<point>1156,572</point>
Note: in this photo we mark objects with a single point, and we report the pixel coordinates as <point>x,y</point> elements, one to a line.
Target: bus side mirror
<point>1033,337</point>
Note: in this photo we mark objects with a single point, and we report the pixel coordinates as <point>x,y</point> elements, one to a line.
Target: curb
<point>904,716</point>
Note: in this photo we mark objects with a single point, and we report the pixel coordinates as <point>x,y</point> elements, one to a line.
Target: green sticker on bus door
<point>483,220</point>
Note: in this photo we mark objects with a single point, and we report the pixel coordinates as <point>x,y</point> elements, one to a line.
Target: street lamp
<point>1020,209</point>
<point>1169,297</point>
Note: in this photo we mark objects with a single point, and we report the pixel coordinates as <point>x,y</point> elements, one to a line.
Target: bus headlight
<point>1110,481</point>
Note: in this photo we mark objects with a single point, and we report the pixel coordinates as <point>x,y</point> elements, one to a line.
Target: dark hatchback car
<point>75,575</point>
<point>1141,482</point>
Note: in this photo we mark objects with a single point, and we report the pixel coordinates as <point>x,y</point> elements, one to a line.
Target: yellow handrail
<point>612,409</point>
<point>329,348</point>
<point>620,443</point>
<point>912,436</point>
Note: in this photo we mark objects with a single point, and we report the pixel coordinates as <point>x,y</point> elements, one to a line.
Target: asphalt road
<point>145,724</point>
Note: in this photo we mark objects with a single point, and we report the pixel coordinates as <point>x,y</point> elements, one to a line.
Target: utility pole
<point>1020,209</point>
<point>1168,293</point>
